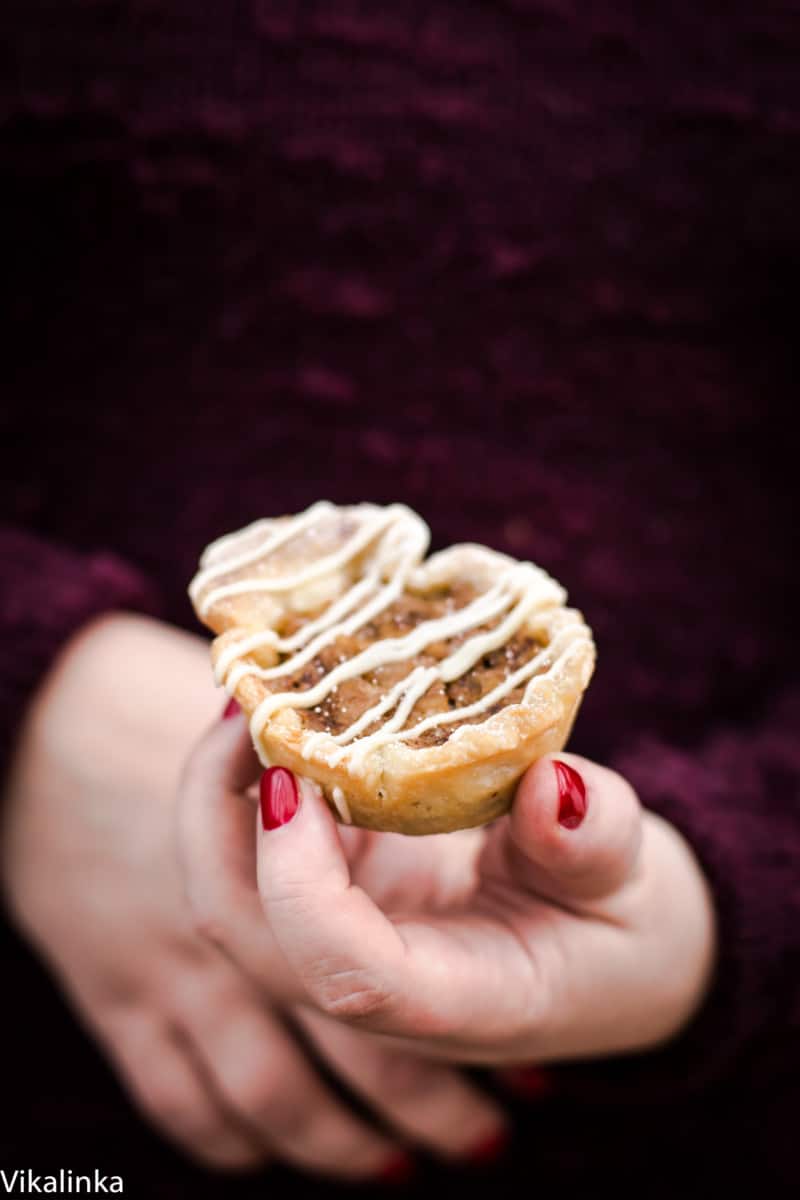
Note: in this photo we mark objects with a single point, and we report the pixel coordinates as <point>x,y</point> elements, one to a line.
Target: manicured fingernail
<point>490,1148</point>
<point>399,1169</point>
<point>279,797</point>
<point>231,709</point>
<point>531,1082</point>
<point>571,795</point>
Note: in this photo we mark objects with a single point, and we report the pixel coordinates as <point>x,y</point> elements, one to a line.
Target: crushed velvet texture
<point>529,266</point>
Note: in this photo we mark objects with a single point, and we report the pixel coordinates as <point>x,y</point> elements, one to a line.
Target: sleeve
<point>736,799</point>
<point>47,592</point>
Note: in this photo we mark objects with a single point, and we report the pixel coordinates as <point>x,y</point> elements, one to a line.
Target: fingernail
<point>531,1082</point>
<point>571,795</point>
<point>399,1169</point>
<point>279,797</point>
<point>490,1148</point>
<point>231,709</point>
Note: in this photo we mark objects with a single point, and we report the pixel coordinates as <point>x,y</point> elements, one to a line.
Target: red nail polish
<point>571,795</point>
<point>531,1082</point>
<point>490,1148</point>
<point>279,798</point>
<point>231,709</point>
<point>399,1169</point>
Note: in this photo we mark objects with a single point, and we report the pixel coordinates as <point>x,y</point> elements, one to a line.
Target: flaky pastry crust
<point>466,780</point>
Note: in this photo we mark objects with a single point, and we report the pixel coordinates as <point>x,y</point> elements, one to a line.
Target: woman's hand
<point>582,927</point>
<point>90,873</point>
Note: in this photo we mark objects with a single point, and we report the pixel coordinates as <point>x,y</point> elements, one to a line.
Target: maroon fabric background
<point>530,267</point>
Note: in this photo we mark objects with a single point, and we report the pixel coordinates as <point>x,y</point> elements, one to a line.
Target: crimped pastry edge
<point>464,782</point>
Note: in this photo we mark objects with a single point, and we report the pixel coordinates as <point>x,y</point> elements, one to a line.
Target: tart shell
<point>467,780</point>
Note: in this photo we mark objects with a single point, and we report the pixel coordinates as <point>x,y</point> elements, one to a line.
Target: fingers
<point>442,975</point>
<point>216,851</point>
<point>264,1078</point>
<point>214,823</point>
<point>432,1104</point>
<point>167,1086</point>
<point>216,848</point>
<point>574,831</point>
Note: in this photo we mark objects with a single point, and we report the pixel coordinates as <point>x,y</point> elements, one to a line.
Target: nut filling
<point>353,697</point>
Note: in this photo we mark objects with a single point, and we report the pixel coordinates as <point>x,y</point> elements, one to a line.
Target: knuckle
<point>257,1089</point>
<point>209,926</point>
<point>351,995</point>
<point>210,911</point>
<point>256,1093</point>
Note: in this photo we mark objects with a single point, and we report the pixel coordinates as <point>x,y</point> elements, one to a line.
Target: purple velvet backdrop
<point>530,267</point>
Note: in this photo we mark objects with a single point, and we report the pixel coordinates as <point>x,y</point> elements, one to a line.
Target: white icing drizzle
<point>371,527</point>
<point>268,637</point>
<point>389,650</point>
<point>331,629</point>
<point>381,736</point>
<point>401,539</point>
<point>458,663</point>
<point>341,805</point>
<point>222,564</point>
<point>411,681</point>
<point>484,608</point>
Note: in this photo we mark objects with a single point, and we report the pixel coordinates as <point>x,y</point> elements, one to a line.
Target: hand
<point>89,870</point>
<point>577,939</point>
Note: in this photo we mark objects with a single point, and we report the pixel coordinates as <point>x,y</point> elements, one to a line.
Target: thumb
<point>574,831</point>
<point>418,976</point>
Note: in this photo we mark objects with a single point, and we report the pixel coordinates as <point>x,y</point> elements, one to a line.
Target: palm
<point>406,874</point>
